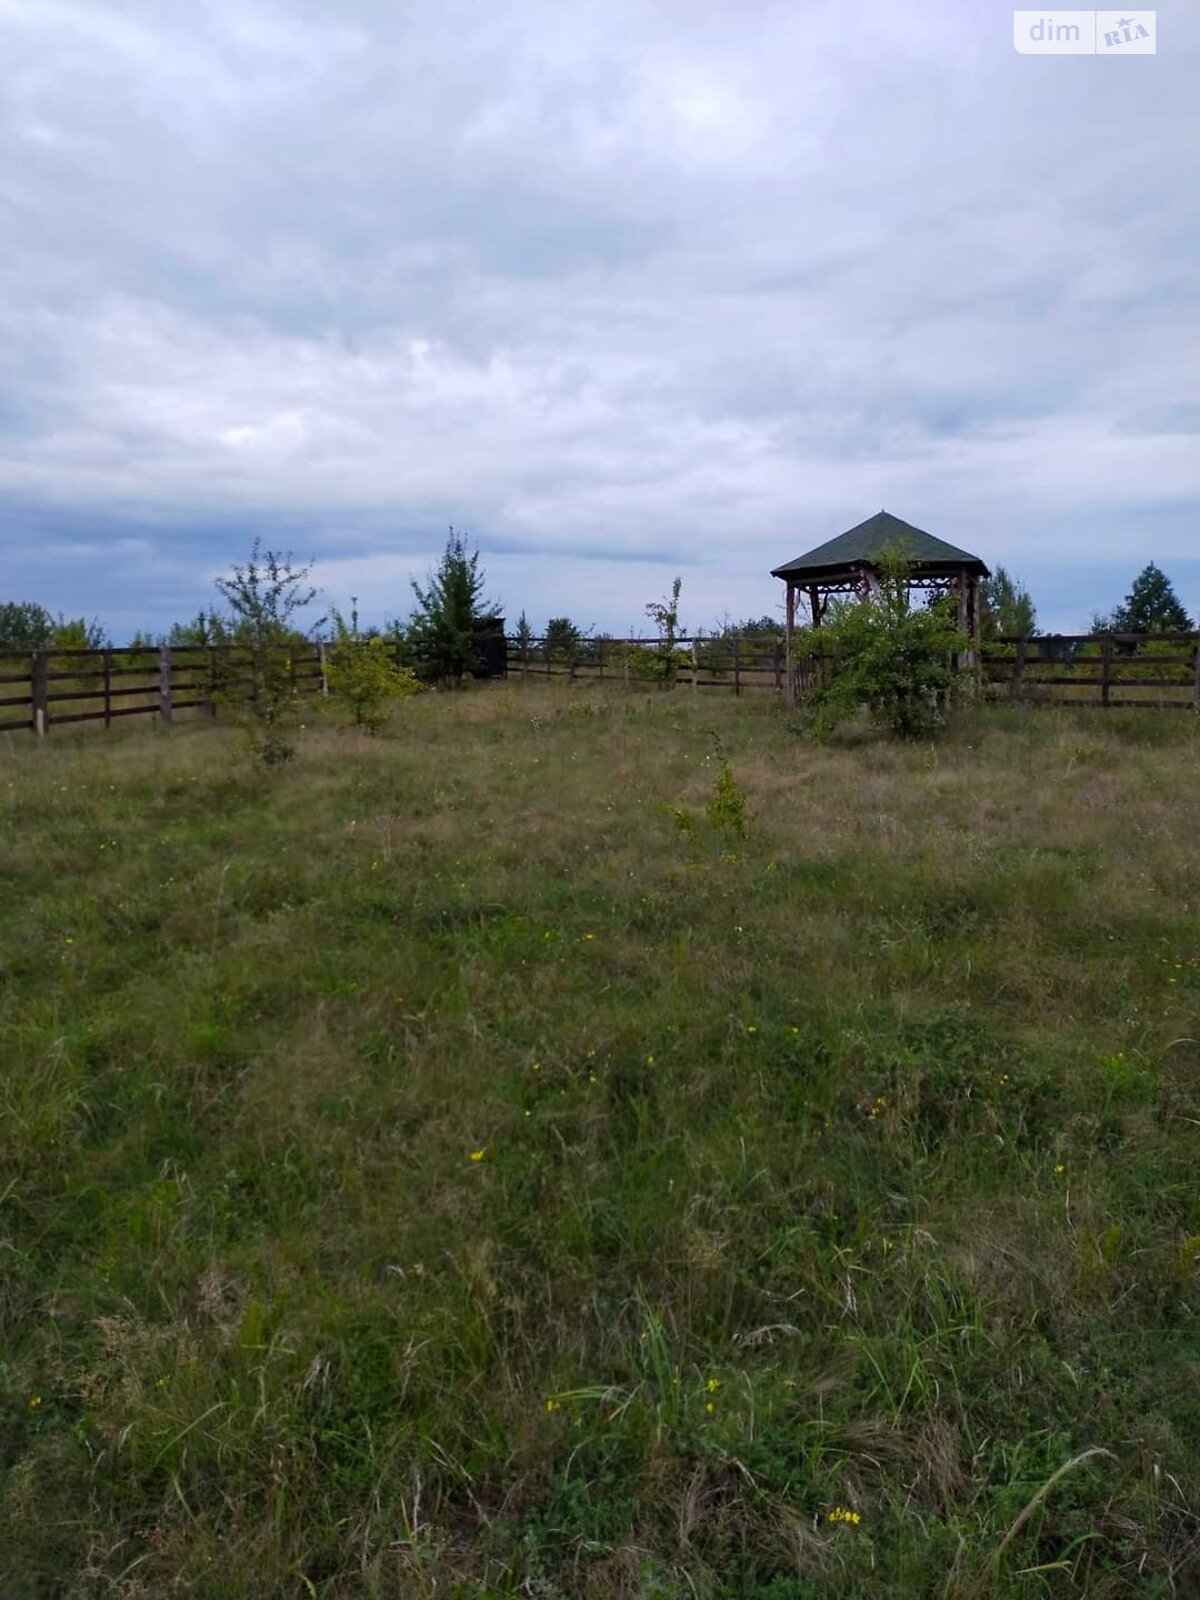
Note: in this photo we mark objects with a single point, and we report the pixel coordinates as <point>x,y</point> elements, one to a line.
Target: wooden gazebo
<point>849,565</point>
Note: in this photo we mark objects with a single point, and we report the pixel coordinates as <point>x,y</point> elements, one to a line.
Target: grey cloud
<point>617,285</point>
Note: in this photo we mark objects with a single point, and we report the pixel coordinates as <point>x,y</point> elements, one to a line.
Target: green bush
<point>362,672</point>
<point>265,596</point>
<point>726,808</point>
<point>657,663</point>
<point>885,656</point>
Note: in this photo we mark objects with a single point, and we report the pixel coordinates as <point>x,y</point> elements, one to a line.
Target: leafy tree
<point>362,671</point>
<point>220,664</point>
<point>1006,607</point>
<point>1151,606</point>
<point>24,625</point>
<point>882,655</point>
<point>266,596</point>
<point>562,636</point>
<point>449,614</point>
<point>77,633</point>
<point>204,629</point>
<point>664,614</point>
<point>754,627</point>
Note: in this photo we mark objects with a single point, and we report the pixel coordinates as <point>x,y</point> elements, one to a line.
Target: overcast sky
<point>624,290</point>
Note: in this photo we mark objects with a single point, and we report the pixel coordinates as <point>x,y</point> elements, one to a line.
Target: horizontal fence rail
<point>41,689</point>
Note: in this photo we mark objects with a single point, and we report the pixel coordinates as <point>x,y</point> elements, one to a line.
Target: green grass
<point>850,1165</point>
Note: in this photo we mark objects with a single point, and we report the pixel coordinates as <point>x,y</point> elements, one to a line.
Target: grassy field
<point>440,1170</point>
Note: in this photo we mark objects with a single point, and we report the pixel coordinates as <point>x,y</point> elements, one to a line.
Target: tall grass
<point>428,1171</point>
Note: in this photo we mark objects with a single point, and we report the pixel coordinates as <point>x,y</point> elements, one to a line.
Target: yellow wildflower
<point>844,1514</point>
<point>478,1155</point>
<point>713,1385</point>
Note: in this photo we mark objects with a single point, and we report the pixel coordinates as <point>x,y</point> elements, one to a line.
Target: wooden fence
<point>730,662</point>
<point>1159,671</point>
<point>42,689</point>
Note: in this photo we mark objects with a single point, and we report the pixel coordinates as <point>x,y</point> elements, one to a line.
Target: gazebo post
<point>967,585</point>
<point>791,624</point>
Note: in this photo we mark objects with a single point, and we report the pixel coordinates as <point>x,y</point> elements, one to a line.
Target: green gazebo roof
<point>861,546</point>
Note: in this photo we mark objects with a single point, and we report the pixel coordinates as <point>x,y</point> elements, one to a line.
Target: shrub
<point>265,595</point>
<point>664,614</point>
<point>883,655</point>
<point>363,672</point>
<point>656,663</point>
<point>726,808</point>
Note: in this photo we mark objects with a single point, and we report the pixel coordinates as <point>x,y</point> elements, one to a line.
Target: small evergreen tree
<point>562,636</point>
<point>450,608</point>
<point>1151,606</point>
<point>1006,607</point>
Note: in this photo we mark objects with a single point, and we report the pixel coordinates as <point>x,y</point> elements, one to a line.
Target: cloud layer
<point>625,290</point>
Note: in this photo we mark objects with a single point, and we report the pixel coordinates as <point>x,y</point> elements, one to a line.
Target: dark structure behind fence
<point>42,689</point>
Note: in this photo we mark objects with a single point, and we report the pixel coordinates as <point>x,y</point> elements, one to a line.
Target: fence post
<point>164,682</point>
<point>108,688</point>
<point>625,661</point>
<point>737,667</point>
<point>1018,677</point>
<point>40,692</point>
<point>1196,689</point>
<point>600,657</point>
<point>1106,670</point>
<point>571,662</point>
<point>695,667</point>
<point>777,663</point>
<point>324,673</point>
